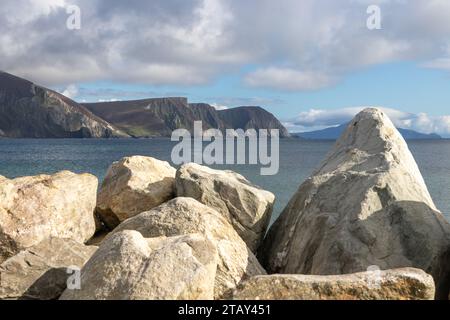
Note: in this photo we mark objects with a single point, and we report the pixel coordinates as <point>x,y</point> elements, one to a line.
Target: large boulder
<point>186,215</point>
<point>134,185</point>
<point>42,271</point>
<point>398,284</point>
<point>35,208</point>
<point>247,207</point>
<point>366,205</point>
<point>129,267</point>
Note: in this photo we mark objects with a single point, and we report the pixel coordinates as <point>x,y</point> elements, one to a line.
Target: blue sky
<point>313,63</point>
<point>403,85</point>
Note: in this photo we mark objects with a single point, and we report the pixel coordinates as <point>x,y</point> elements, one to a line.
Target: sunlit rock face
<point>128,266</point>
<point>367,204</point>
<point>37,207</point>
<point>133,185</point>
<point>397,284</point>
<point>184,216</point>
<point>247,207</point>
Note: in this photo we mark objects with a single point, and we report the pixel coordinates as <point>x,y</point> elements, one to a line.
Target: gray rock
<point>129,267</point>
<point>38,207</point>
<point>41,272</point>
<point>366,205</point>
<point>247,207</point>
<point>398,284</point>
<point>134,185</point>
<point>184,216</point>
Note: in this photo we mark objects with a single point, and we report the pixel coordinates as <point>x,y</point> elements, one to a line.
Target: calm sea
<point>298,159</point>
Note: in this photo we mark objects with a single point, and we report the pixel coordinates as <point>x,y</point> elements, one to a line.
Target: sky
<point>312,63</point>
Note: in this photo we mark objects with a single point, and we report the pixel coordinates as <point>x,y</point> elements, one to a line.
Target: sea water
<point>298,159</point>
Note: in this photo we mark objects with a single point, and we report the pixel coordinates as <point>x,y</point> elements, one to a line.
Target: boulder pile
<point>363,226</point>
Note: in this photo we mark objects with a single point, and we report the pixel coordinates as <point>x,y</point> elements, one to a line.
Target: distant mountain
<point>160,116</point>
<point>414,135</point>
<point>334,133</point>
<point>31,111</point>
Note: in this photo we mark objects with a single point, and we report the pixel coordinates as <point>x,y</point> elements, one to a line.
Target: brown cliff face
<point>160,116</point>
<point>30,111</point>
<point>145,118</point>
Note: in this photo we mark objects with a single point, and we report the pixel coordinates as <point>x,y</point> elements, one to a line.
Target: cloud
<point>293,45</point>
<point>219,107</point>
<point>321,117</point>
<point>441,63</point>
<point>288,79</point>
<point>103,93</point>
<point>155,42</point>
<point>315,119</point>
<point>107,100</point>
<point>71,91</point>
<point>246,101</point>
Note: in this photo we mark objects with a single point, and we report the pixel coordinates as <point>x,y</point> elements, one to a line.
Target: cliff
<point>31,111</point>
<point>160,116</point>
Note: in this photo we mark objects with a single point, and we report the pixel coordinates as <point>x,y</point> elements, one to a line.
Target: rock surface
<point>129,267</point>
<point>366,205</point>
<point>186,215</point>
<point>398,284</point>
<point>41,272</point>
<point>35,208</point>
<point>134,185</point>
<point>247,207</point>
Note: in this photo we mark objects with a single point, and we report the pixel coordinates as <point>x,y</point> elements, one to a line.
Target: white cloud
<point>219,107</point>
<point>108,100</point>
<point>288,79</point>
<point>71,91</point>
<point>441,63</point>
<point>190,42</point>
<point>315,119</point>
<point>157,42</point>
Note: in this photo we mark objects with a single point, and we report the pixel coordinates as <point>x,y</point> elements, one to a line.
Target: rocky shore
<point>363,226</point>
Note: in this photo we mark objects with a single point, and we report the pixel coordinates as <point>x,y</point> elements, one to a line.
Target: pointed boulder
<point>367,205</point>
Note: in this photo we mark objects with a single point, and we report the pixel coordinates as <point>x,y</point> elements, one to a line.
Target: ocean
<point>298,159</point>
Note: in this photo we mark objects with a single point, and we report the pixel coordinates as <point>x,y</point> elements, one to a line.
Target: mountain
<point>251,118</point>
<point>28,110</point>
<point>31,111</point>
<point>145,118</point>
<point>333,133</point>
<point>160,116</point>
<point>414,135</point>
